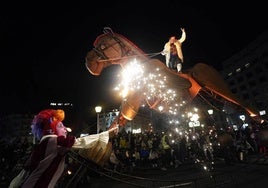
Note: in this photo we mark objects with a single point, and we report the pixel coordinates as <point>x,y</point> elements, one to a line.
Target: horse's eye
<point>102,47</point>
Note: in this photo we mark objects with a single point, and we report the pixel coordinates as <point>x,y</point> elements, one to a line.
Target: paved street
<point>252,173</point>
<point>249,174</point>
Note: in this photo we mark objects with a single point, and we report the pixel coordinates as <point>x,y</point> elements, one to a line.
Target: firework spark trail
<point>152,84</point>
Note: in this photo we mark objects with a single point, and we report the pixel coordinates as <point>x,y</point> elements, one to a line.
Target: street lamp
<point>242,117</point>
<point>98,110</point>
<point>210,112</point>
<point>211,118</point>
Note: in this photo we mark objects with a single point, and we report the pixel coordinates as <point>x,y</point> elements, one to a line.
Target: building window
<point>247,65</point>
<point>240,79</point>
<point>246,96</point>
<point>262,79</point>
<point>249,75</point>
<point>258,70</point>
<point>234,90</point>
<point>238,70</point>
<point>252,83</point>
<point>232,82</point>
<point>243,87</point>
<point>255,93</point>
<point>266,65</point>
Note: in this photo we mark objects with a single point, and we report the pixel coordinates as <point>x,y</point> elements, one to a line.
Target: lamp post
<point>210,112</point>
<point>243,118</point>
<point>211,119</point>
<point>98,110</point>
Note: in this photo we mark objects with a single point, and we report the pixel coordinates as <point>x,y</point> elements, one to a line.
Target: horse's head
<point>111,48</point>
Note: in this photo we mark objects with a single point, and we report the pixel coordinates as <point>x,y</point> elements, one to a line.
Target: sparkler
<point>152,84</point>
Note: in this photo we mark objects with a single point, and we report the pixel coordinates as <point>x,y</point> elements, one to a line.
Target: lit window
<point>247,65</point>
<point>262,112</point>
<point>238,70</point>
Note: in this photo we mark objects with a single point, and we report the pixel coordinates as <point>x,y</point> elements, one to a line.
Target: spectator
<point>166,152</point>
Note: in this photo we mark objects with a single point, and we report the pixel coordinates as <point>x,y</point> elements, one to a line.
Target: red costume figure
<point>47,161</point>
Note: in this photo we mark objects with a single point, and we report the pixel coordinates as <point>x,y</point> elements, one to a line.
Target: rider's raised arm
<point>183,35</point>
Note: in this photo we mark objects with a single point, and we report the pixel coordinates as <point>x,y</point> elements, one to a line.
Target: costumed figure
<point>173,52</point>
<point>47,161</point>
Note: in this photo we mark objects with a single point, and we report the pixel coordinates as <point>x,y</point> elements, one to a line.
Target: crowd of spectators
<point>14,153</point>
<point>145,150</point>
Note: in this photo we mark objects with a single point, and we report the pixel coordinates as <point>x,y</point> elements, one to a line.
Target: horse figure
<point>114,49</point>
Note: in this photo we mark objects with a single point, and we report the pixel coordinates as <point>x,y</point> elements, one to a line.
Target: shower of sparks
<point>152,84</point>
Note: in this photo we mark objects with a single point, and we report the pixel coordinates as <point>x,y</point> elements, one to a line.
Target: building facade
<point>247,74</point>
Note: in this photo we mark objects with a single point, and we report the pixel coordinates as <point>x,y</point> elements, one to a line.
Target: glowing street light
<point>242,117</point>
<point>210,111</point>
<point>98,111</point>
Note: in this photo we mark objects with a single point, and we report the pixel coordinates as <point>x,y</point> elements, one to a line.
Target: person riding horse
<point>173,52</point>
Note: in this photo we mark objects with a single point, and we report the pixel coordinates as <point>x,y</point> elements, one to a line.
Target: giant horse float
<point>111,48</point>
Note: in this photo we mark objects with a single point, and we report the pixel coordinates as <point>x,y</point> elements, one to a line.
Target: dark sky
<point>43,46</point>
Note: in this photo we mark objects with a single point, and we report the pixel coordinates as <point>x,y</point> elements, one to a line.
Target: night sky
<point>43,46</point>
